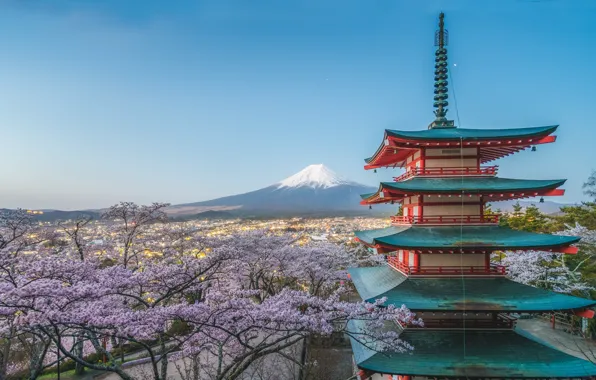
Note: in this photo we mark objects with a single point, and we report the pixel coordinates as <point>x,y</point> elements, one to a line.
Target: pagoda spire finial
<point>441,75</point>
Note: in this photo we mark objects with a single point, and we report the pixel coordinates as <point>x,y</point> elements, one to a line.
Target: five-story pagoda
<point>438,254</point>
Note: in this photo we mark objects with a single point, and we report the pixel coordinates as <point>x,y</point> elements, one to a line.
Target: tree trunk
<point>78,352</point>
<point>121,351</point>
<point>196,368</point>
<point>4,358</point>
<point>38,354</point>
<point>164,359</point>
<point>5,353</point>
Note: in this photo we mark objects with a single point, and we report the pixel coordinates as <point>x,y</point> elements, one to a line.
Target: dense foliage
<point>568,273</point>
<point>530,219</point>
<point>550,270</point>
<point>575,274</point>
<point>86,290</point>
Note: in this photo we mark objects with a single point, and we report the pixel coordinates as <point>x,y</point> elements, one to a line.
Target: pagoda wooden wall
<point>431,260</point>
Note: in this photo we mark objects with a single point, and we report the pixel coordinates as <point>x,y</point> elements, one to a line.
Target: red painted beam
<point>570,250</point>
<point>365,243</point>
<point>587,313</point>
<point>554,193</point>
<point>388,156</point>
<point>546,140</point>
<point>385,248</point>
<point>503,142</point>
<point>399,149</point>
<point>364,374</point>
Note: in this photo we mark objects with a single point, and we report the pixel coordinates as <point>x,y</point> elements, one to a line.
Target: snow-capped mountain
<point>315,190</point>
<point>315,176</point>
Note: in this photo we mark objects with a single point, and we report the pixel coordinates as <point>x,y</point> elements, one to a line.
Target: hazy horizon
<point>531,200</point>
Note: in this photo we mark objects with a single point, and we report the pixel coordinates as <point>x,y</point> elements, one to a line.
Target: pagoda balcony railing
<point>492,270</point>
<point>446,219</point>
<point>448,171</point>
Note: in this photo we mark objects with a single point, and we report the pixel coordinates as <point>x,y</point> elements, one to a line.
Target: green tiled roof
<point>368,195</point>
<point>371,282</point>
<point>444,294</point>
<point>368,236</point>
<point>458,134</point>
<point>467,185</point>
<point>472,134</point>
<point>462,237</point>
<point>472,354</point>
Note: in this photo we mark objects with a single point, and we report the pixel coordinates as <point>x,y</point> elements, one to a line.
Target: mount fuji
<point>315,190</point>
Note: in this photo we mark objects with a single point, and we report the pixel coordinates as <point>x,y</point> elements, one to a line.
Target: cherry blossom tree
<point>17,230</point>
<point>550,270</point>
<point>224,303</point>
<point>130,223</point>
<point>18,233</point>
<point>270,263</point>
<point>276,270</point>
<point>76,236</point>
<point>249,331</point>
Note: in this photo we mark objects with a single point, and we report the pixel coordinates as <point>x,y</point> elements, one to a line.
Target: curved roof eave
<point>456,134</point>
<point>493,354</point>
<point>379,149</point>
<point>447,294</point>
<point>471,134</point>
<point>458,237</point>
<point>471,184</point>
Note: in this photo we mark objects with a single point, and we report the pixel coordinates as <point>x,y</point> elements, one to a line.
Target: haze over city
<point>193,100</point>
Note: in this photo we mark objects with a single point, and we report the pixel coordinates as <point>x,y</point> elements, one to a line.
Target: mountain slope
<point>314,190</point>
<point>317,177</point>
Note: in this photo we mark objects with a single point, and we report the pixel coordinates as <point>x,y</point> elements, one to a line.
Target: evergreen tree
<point>584,214</point>
<point>531,219</point>
<point>590,185</point>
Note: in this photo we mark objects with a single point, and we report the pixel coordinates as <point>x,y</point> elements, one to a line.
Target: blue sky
<point>182,101</point>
